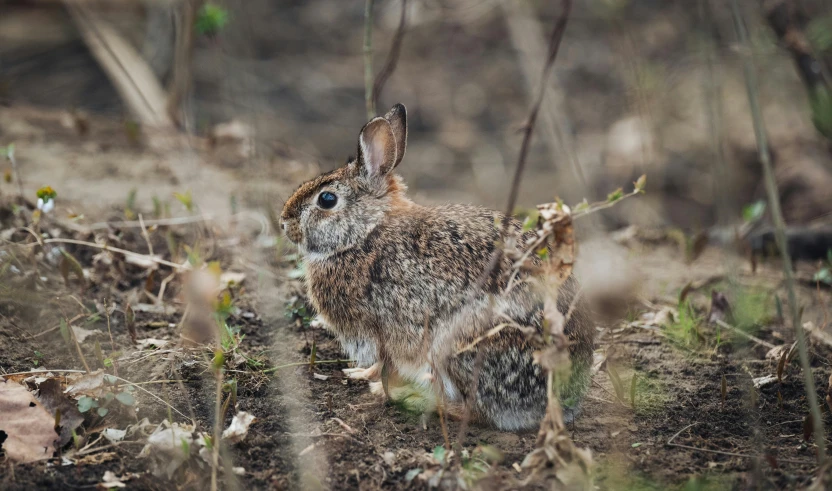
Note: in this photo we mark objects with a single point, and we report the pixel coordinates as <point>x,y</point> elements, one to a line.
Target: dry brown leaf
<point>50,394</point>
<point>89,384</point>
<point>29,428</point>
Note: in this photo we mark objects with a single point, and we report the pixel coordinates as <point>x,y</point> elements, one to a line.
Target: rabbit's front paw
<point>372,373</point>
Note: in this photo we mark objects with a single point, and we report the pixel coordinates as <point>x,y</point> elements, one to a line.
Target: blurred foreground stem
<point>368,59</point>
<point>779,229</point>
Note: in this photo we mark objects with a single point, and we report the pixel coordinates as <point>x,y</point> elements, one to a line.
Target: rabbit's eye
<point>327,200</point>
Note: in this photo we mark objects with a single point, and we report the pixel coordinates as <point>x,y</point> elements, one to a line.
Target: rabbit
<point>398,284</point>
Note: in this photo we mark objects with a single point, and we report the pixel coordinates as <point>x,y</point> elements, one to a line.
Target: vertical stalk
<point>368,59</point>
<point>779,230</point>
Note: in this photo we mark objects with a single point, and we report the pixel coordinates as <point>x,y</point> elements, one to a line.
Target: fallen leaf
<point>50,394</point>
<point>114,435</point>
<point>169,447</point>
<point>81,334</point>
<point>111,481</point>
<point>28,427</point>
<point>765,380</point>
<point>148,342</point>
<point>89,384</point>
<point>238,429</point>
<point>230,278</point>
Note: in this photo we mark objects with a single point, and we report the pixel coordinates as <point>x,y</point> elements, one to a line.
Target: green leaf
<point>439,453</point>
<point>110,379</point>
<point>411,474</point>
<point>102,411</point>
<point>211,19</point>
<point>219,360</point>
<point>821,105</point>
<point>615,195</point>
<point>636,445</point>
<point>823,276</point>
<point>640,183</point>
<point>754,211</point>
<point>819,32</point>
<point>65,330</point>
<point>86,403</point>
<point>186,199</point>
<point>529,223</point>
<point>126,398</point>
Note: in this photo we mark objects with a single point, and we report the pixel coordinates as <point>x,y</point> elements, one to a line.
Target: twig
<point>78,346</point>
<point>215,458</point>
<point>720,452</point>
<point>146,236</point>
<point>110,332</point>
<point>304,363</point>
<point>554,45</point>
<point>368,58</point>
<point>779,232</point>
<point>739,331</point>
<point>53,329</point>
<point>150,223</point>
<point>392,57</point>
<point>15,170</point>
<point>105,247</point>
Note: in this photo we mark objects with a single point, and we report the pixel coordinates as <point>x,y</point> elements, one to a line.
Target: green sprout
<point>211,19</point>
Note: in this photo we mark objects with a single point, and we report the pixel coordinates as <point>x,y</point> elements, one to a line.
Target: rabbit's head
<point>338,209</point>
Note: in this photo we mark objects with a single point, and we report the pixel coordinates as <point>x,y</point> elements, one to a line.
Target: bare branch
<point>780,230</point>
<point>392,57</point>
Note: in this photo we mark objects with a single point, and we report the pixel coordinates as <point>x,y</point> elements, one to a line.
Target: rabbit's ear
<point>377,147</point>
<point>397,117</point>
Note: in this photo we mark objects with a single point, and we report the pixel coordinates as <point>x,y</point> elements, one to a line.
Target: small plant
<point>685,330</point>
<point>130,206</point>
<point>46,199</point>
<point>296,311</point>
<point>824,274</point>
<point>102,403</point>
<point>186,199</point>
<point>753,212</point>
<point>211,19</point>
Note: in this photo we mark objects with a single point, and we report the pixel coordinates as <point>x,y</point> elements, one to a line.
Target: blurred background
<point>204,116</point>
<point>640,86</point>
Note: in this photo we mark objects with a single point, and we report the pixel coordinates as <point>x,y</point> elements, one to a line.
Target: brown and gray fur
<point>380,268</point>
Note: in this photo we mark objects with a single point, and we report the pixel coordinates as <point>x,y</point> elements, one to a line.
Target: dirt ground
<point>691,419</point>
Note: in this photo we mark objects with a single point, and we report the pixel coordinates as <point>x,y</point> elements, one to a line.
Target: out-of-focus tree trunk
<point>159,38</point>
<point>182,59</point>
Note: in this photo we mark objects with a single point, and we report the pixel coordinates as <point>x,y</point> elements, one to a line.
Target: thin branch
<point>15,170</point>
<point>145,235</point>
<point>150,223</point>
<point>304,363</point>
<point>368,58</point>
<point>105,247</point>
<point>779,230</point>
<point>744,334</point>
<point>554,46</point>
<point>720,452</point>
<point>392,57</point>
